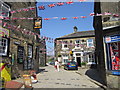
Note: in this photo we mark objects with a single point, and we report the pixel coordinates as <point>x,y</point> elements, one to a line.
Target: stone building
<point>107,33</point>
<point>77,46</point>
<point>23,46</point>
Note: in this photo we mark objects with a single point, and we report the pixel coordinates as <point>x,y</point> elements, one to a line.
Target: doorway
<point>78,61</point>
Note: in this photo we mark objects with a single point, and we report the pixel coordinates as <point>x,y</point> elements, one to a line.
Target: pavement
<point>48,77</point>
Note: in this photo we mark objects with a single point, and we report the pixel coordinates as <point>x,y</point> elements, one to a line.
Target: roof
<point>80,34</point>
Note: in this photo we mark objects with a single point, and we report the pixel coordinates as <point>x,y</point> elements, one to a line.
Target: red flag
<point>69,2</point>
<point>13,12</point>
<point>41,7</point>
<point>51,5</point>
<point>83,17</point>
<point>7,18</point>
<point>63,18</point>
<point>75,17</point>
<point>81,0</point>
<point>92,14</point>
<point>46,18</point>
<point>25,9</point>
<point>60,3</point>
<point>32,8</point>
<point>19,10</point>
<point>115,15</point>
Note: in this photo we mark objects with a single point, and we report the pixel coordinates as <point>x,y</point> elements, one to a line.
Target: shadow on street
<point>41,71</point>
<point>94,74</point>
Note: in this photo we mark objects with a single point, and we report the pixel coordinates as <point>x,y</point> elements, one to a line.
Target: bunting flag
<point>51,5</point>
<point>59,3</point>
<point>63,18</point>
<point>83,17</point>
<point>81,0</point>
<point>71,2</point>
<point>41,7</point>
<point>46,18</point>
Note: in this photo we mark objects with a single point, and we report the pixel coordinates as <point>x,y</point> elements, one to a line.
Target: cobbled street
<point>50,78</point>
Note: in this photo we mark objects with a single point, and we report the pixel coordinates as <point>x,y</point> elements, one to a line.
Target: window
<point>30,51</point>
<point>64,45</point>
<point>4,9</point>
<point>77,43</point>
<point>65,55</point>
<point>91,57</point>
<point>70,41</point>
<point>90,43</point>
<point>3,46</point>
<point>20,54</point>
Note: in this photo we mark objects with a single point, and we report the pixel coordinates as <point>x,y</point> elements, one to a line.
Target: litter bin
<point>27,81</point>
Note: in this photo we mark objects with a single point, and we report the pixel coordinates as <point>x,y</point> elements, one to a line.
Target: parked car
<point>52,63</point>
<point>70,65</point>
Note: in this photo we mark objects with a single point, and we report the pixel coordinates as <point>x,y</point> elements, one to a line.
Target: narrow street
<point>50,78</point>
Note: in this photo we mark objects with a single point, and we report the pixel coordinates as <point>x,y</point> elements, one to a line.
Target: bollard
<point>27,81</point>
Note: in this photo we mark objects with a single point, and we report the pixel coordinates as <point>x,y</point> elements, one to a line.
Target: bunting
<point>42,7</point>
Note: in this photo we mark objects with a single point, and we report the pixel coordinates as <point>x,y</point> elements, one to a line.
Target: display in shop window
<point>115,55</point>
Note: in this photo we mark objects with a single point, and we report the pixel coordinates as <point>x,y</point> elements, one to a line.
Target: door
<point>78,61</point>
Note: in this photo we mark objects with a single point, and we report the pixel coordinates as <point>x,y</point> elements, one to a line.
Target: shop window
<point>90,43</point>
<point>30,51</point>
<point>3,46</point>
<point>4,9</point>
<point>115,56</point>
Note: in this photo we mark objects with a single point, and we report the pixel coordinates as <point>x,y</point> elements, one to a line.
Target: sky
<point>55,28</point>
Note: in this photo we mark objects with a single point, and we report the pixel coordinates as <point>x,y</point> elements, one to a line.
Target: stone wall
<point>18,38</point>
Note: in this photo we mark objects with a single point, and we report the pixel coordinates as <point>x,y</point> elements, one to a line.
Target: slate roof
<point>80,34</point>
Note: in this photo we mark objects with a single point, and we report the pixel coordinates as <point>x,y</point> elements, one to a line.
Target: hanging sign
<point>38,22</point>
<point>4,32</point>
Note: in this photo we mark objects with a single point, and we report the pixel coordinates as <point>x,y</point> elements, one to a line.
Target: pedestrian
<point>57,64</point>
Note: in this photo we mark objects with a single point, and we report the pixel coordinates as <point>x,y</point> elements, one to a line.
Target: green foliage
<point>83,63</point>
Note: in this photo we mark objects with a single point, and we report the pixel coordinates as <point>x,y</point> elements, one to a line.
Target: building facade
<point>77,46</point>
<point>20,46</point>
<point>108,43</point>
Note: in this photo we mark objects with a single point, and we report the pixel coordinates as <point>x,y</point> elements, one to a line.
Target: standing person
<point>58,65</point>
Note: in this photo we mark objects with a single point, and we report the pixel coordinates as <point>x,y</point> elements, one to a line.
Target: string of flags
<point>41,7</point>
<point>24,31</point>
<point>61,18</point>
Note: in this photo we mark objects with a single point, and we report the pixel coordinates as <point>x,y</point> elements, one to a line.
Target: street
<point>50,78</point>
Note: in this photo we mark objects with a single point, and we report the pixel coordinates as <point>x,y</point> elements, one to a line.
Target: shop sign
<point>4,32</point>
<point>112,39</point>
<point>38,23</point>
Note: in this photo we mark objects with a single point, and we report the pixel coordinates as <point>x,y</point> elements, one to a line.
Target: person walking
<point>57,64</point>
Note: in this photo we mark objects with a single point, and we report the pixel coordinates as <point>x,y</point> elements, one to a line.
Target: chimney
<point>75,29</point>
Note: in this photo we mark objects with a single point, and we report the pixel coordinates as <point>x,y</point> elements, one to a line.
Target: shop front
<point>113,54</point>
<point>5,61</point>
